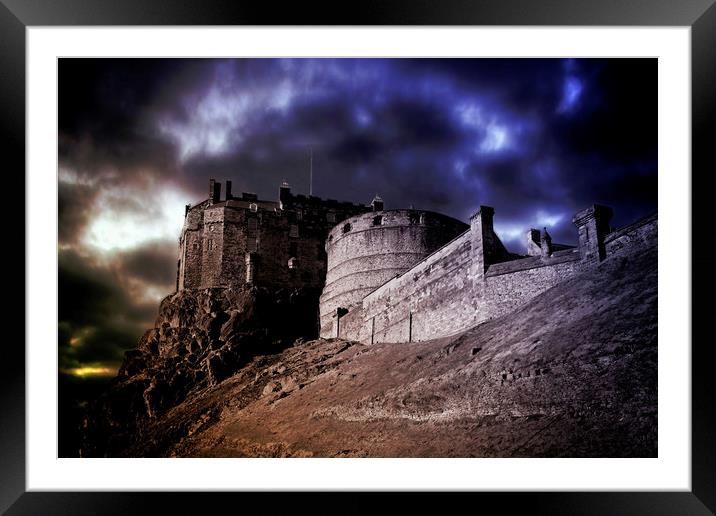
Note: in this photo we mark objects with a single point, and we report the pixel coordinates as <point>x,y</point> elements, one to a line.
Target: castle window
<point>293,263</point>
<point>293,249</point>
<point>211,244</point>
<point>377,220</point>
<point>299,214</point>
<point>253,224</point>
<point>253,207</point>
<point>422,218</point>
<point>331,217</point>
<point>293,232</point>
<point>346,228</point>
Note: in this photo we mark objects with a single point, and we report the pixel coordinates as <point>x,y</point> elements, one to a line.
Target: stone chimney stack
<point>593,226</point>
<point>214,191</point>
<point>377,203</point>
<point>284,194</point>
<point>534,242</point>
<point>228,191</point>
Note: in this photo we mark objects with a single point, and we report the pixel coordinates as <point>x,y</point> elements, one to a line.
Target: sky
<point>537,139</point>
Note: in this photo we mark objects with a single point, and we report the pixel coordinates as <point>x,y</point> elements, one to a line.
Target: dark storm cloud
<point>106,119</point>
<point>363,118</point>
<point>103,304</point>
<point>538,139</point>
<point>74,205</point>
<point>89,300</point>
<point>153,263</point>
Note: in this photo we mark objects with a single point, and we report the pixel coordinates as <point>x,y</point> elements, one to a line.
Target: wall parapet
<point>640,234</point>
<point>634,226</point>
<point>533,262</point>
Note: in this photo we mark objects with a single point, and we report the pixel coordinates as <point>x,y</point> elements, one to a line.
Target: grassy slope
<point>572,373</point>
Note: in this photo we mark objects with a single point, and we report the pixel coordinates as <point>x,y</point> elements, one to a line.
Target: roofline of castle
<point>397,210</point>
<point>300,198</point>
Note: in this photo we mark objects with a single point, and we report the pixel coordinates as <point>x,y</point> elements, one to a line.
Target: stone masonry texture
<point>243,240</point>
<point>367,250</point>
<point>462,284</point>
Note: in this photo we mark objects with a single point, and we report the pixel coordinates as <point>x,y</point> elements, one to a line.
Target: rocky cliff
<point>571,373</point>
<point>200,338</point>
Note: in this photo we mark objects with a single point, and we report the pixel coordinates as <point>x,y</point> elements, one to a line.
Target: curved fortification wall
<point>365,251</point>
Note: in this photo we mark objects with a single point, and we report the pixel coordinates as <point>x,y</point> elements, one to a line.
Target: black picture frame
<point>17,15</point>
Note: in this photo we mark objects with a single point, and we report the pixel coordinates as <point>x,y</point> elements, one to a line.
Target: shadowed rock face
<point>200,338</point>
<point>571,373</point>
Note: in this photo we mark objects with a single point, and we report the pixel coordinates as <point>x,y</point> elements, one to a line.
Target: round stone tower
<point>365,251</point>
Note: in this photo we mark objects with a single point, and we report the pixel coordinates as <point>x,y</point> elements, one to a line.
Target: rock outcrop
<point>200,338</point>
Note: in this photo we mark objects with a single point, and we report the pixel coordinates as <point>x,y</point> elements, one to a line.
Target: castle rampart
<point>473,278</point>
<point>367,250</point>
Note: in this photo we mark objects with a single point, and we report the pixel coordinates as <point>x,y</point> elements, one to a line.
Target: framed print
<point>410,250</point>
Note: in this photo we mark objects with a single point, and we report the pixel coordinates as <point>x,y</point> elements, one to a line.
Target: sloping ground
<point>572,373</point>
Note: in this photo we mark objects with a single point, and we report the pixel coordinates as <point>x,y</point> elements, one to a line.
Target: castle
<point>244,240</point>
<point>400,275</point>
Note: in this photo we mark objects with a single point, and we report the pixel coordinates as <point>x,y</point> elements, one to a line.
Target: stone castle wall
<point>243,240</point>
<point>427,298</point>
<point>191,249</point>
<point>367,250</point>
<point>387,275</point>
<point>457,287</point>
<point>213,245</point>
<point>640,234</point>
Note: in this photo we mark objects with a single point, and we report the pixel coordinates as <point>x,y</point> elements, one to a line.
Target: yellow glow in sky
<point>92,371</point>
